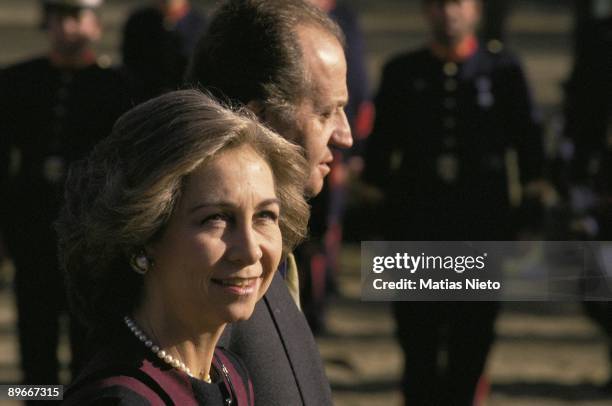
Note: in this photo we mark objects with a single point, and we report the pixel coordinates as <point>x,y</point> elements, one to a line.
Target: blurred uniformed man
<point>454,138</point>
<point>158,40</point>
<point>588,98</point>
<point>588,124</point>
<point>54,108</point>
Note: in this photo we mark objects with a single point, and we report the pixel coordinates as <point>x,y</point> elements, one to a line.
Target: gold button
<point>450,68</point>
<point>104,61</point>
<point>450,85</point>
<point>495,46</point>
<point>59,110</point>
<point>449,123</point>
<point>62,93</point>
<point>449,142</point>
<point>66,77</point>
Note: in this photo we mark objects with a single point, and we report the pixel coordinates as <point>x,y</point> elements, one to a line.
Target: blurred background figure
<point>544,353</point>
<point>53,109</point>
<point>454,139</point>
<point>157,42</point>
<point>321,253</point>
<point>588,90</point>
<point>588,126</point>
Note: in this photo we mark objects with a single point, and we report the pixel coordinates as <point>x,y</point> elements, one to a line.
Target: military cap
<point>440,1</point>
<point>73,3</point>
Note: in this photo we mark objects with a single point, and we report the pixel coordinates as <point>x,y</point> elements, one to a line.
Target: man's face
<point>325,5</point>
<point>452,20</point>
<point>71,31</point>
<point>319,121</point>
<point>172,4</point>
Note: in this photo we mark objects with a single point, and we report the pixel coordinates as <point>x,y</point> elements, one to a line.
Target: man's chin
<point>72,49</point>
<point>313,187</point>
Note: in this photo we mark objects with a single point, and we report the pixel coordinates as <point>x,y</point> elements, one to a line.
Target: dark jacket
<point>588,104</point>
<point>439,149</point>
<point>280,353</point>
<point>125,372</point>
<point>49,117</point>
<point>154,54</point>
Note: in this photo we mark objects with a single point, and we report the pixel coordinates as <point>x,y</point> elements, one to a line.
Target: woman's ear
<point>141,261</point>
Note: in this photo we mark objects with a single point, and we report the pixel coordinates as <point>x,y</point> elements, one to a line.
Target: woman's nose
<point>245,246</point>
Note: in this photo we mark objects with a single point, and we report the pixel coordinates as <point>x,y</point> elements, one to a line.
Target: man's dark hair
<point>251,52</point>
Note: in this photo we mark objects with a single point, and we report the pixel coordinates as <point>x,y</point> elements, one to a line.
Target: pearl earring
<point>140,263</point>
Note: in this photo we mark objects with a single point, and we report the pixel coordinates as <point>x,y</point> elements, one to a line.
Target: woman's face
<point>222,245</point>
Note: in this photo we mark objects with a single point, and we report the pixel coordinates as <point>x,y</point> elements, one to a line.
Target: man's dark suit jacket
<point>279,351</point>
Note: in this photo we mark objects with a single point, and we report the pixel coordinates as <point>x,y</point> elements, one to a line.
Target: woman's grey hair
<point>121,197</point>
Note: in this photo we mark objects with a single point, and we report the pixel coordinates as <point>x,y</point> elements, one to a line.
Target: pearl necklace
<point>161,354</point>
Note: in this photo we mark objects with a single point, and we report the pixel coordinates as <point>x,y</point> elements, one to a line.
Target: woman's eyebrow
<point>225,204</point>
<point>268,202</point>
<point>204,205</point>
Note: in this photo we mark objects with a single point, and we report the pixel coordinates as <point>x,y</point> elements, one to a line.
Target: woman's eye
<point>268,215</point>
<point>215,219</point>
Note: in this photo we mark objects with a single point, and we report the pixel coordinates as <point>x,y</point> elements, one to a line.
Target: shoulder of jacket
<point>408,58</point>
<point>27,65</point>
<point>407,62</point>
<point>497,51</point>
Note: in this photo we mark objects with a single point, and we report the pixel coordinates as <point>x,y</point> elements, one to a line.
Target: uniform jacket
<point>49,117</point>
<point>441,142</point>
<point>154,55</point>
<point>588,104</point>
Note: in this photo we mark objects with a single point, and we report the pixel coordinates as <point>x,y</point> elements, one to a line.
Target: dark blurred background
<point>545,354</point>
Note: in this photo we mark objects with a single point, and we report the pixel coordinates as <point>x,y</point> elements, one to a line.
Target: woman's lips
<point>237,286</point>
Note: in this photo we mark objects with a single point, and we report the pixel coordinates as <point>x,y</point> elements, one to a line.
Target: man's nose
<point>449,9</point>
<point>69,24</point>
<point>341,136</point>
